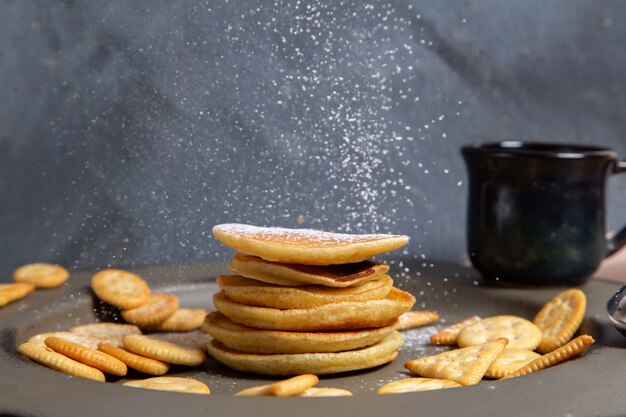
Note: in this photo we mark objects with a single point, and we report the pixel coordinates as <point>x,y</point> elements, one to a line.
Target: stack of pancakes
<point>305,301</point>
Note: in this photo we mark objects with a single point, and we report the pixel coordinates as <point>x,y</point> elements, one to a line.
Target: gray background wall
<point>128,129</point>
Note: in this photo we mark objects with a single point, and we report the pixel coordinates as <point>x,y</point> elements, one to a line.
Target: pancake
<point>305,246</point>
<point>294,274</point>
<point>260,294</point>
<point>347,315</point>
<point>308,363</point>
<point>250,340</point>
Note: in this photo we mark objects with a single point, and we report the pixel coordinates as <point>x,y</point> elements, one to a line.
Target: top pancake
<point>305,246</point>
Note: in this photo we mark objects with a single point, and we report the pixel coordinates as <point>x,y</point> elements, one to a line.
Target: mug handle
<point>619,239</point>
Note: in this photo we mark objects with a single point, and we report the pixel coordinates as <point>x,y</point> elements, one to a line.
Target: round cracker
<point>59,362</point>
<point>157,309</point>
<point>83,340</point>
<point>41,275</point>
<point>106,332</point>
<point>325,392</point>
<point>509,361</point>
<point>416,385</point>
<point>183,320</point>
<point>120,288</point>
<point>14,292</point>
<point>163,350</point>
<point>254,293</point>
<point>305,363</point>
<point>305,246</point>
<point>521,333</point>
<point>93,358</point>
<point>137,362</point>
<point>171,383</point>
<point>559,319</point>
<point>251,340</point>
<point>338,316</point>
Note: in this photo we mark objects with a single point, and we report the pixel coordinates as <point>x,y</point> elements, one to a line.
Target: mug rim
<point>509,148</point>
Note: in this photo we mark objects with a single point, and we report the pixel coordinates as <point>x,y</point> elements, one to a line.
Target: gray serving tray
<point>591,385</point>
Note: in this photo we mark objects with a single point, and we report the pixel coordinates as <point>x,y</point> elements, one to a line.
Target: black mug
<point>536,213</point>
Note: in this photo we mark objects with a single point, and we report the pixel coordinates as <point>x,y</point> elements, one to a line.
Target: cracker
<point>559,319</point>
<point>93,358</point>
<point>465,366</point>
<point>448,335</point>
<point>521,333</point>
<point>157,309</point>
<point>510,361</point>
<point>86,341</point>
<point>286,388</point>
<point>137,362</point>
<point>14,292</point>
<point>59,362</point>
<point>183,320</point>
<point>194,339</point>
<point>415,385</point>
<point>41,275</point>
<point>412,319</point>
<point>106,332</point>
<point>120,288</point>
<point>571,349</point>
<point>171,383</point>
<point>325,392</point>
<point>162,350</point>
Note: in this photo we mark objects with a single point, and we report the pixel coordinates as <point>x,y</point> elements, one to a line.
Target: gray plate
<point>591,385</point>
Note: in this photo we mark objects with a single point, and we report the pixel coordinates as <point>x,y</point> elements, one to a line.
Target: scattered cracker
<point>14,292</point>
<point>286,388</point>
<point>93,358</point>
<point>86,341</point>
<point>416,385</point>
<point>521,333</point>
<point>171,383</point>
<point>120,288</point>
<point>195,339</point>
<point>559,319</point>
<point>466,366</point>
<point>162,350</point>
<point>571,349</point>
<point>59,362</point>
<point>183,320</point>
<point>106,332</point>
<point>325,392</point>
<point>41,275</point>
<point>448,335</point>
<point>510,361</point>
<point>412,319</point>
<point>137,362</point>
<point>157,309</point>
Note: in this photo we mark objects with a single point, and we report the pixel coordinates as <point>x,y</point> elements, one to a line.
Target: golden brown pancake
<point>260,294</point>
<point>347,315</point>
<point>308,363</point>
<point>340,276</point>
<point>305,246</point>
<point>251,340</point>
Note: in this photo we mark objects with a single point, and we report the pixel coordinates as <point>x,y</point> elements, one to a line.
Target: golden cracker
<point>183,320</point>
<point>14,292</point>
<point>120,288</point>
<point>90,357</point>
<point>194,339</point>
<point>171,383</point>
<point>137,362</point>
<point>286,388</point>
<point>106,332</point>
<point>448,335</point>
<point>416,385</point>
<point>510,361</point>
<point>86,341</point>
<point>59,362</point>
<point>325,392</point>
<point>571,349</point>
<point>521,333</point>
<point>465,366</point>
<point>156,310</point>
<point>559,319</point>
<point>41,275</point>
<point>162,350</point>
<point>412,319</point>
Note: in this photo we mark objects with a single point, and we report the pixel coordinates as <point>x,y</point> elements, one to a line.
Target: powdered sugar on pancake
<point>298,236</point>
